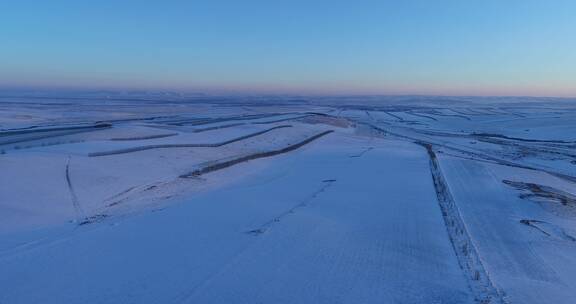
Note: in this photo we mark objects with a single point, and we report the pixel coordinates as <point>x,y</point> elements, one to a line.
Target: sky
<point>428,47</point>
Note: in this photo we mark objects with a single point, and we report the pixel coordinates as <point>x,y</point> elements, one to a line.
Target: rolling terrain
<point>422,200</point>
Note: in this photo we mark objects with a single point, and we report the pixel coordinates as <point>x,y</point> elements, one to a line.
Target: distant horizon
<point>22,91</point>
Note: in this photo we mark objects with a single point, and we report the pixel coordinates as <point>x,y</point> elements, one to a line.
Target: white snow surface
<point>402,201</point>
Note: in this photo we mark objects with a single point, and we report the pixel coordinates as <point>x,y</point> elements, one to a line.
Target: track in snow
<point>267,225</point>
<point>75,202</point>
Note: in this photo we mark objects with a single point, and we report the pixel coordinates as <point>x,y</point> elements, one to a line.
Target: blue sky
<point>441,47</point>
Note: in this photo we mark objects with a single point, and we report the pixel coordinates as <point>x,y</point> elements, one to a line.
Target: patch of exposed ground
<point>557,201</point>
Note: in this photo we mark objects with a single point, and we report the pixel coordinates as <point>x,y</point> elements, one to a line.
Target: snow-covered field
<point>282,201</point>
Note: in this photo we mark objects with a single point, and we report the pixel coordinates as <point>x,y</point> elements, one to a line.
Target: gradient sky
<point>440,47</point>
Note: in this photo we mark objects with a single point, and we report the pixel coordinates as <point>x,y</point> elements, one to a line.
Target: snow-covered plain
<point>392,200</point>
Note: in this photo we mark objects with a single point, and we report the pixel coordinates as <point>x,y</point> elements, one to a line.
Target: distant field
<point>243,201</point>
